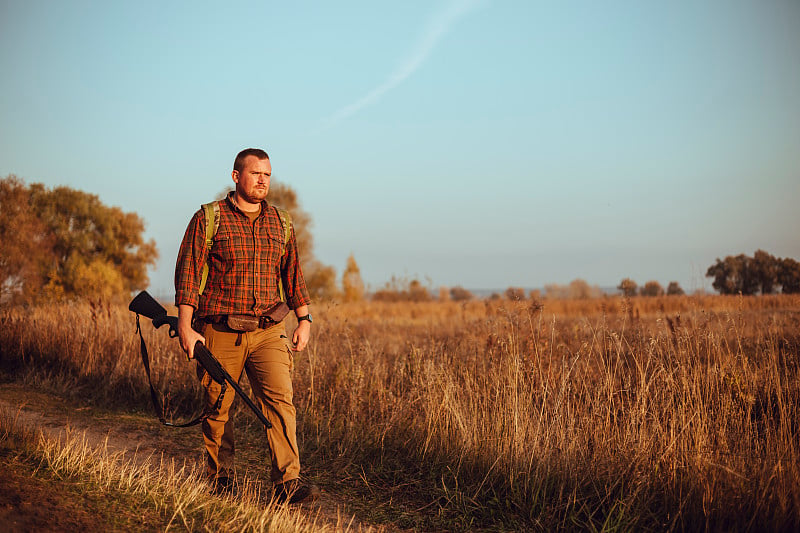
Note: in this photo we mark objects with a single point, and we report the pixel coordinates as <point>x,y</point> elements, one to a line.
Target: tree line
<point>61,243</point>
<point>629,288</point>
<point>761,274</point>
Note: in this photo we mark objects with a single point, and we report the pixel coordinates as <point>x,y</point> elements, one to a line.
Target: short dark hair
<point>238,163</point>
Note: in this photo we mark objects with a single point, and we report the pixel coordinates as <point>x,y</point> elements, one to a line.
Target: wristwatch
<point>304,317</point>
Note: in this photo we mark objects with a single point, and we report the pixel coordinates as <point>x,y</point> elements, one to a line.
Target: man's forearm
<point>185,314</point>
<point>301,311</point>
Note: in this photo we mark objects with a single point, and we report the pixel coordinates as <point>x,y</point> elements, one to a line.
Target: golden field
<point>670,413</point>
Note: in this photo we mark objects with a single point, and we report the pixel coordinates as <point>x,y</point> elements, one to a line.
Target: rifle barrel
<point>205,357</point>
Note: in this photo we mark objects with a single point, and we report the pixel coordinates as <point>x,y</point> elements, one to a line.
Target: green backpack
<point>211,210</point>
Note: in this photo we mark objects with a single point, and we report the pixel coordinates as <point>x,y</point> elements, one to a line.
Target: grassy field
<point>610,414</point>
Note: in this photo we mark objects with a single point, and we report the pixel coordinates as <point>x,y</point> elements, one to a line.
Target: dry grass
<point>176,492</point>
<point>649,413</point>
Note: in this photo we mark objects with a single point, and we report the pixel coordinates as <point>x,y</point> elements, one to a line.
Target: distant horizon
<point>478,293</point>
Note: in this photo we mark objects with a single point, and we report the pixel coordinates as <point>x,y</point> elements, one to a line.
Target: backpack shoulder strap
<point>211,211</point>
<point>286,224</point>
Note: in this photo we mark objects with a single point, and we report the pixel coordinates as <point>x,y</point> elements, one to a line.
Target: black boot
<point>294,491</point>
<point>224,486</point>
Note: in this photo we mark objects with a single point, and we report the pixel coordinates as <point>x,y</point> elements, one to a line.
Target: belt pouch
<point>277,312</point>
<point>242,323</point>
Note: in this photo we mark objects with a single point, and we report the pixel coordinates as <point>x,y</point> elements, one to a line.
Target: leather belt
<point>264,322</point>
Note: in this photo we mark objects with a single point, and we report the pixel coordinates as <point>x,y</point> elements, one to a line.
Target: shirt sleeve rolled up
<point>292,276</point>
<point>191,258</point>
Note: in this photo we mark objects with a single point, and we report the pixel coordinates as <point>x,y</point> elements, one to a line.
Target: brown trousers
<point>266,356</point>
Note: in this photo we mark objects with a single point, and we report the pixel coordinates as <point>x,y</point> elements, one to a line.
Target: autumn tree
<point>403,290</point>
<point>555,291</point>
<point>99,250</point>
<point>744,274</point>
<point>417,292</point>
<point>352,284</point>
<point>627,287</point>
<point>460,294</point>
<point>674,289</point>
<point>515,293</point>
<point>724,274</point>
<point>321,281</point>
<point>25,244</point>
<point>579,289</point>
<point>789,276</point>
<point>77,246</point>
<point>765,270</point>
<point>651,288</point>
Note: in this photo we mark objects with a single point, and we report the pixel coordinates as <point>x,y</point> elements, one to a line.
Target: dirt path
<point>132,435</point>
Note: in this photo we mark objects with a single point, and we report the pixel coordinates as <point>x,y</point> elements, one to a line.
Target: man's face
<point>252,183</point>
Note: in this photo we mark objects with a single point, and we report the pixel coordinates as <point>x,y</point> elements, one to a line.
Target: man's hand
<point>301,335</point>
<point>187,336</point>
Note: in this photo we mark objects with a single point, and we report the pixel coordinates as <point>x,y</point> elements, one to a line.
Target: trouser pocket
<point>289,351</point>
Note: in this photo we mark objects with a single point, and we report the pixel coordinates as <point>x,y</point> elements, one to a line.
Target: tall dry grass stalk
<point>646,413</point>
<point>176,492</point>
<point>85,350</point>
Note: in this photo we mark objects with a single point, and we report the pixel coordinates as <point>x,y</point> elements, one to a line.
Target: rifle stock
<point>145,305</point>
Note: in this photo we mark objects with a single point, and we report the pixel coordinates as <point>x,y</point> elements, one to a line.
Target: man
<point>251,266</point>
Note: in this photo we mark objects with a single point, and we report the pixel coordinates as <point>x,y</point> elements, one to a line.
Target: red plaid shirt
<point>244,263</point>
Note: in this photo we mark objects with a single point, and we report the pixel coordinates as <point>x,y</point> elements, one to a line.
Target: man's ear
<point>235,176</point>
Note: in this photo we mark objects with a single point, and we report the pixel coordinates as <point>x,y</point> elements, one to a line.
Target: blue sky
<point>475,143</point>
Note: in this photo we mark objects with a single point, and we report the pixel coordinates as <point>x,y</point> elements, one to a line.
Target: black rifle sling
<point>159,409</point>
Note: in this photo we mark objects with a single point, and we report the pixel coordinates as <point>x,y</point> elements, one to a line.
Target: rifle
<point>145,305</point>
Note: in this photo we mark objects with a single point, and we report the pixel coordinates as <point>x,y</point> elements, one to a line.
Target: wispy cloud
<point>437,27</point>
